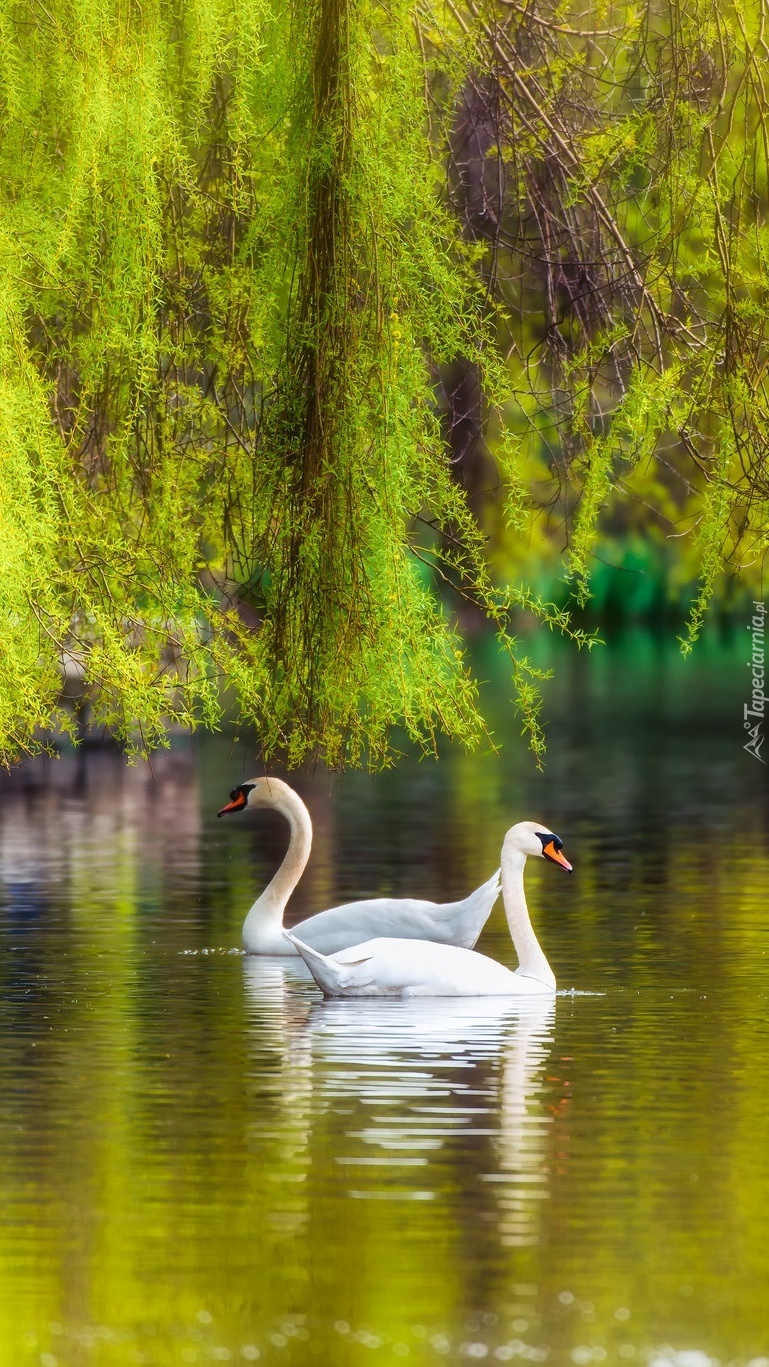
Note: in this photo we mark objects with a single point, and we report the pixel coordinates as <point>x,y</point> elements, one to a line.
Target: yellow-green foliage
<point>229,275</point>
<point>225,271</point>
<point>632,258</point>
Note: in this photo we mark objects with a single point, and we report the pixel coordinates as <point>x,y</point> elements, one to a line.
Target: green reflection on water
<point>200,1162</point>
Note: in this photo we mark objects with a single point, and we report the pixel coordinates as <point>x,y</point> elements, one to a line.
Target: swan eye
<point>548,838</point>
<point>552,845</point>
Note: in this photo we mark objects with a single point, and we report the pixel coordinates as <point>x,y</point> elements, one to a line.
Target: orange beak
<point>237,805</point>
<point>551,853</point>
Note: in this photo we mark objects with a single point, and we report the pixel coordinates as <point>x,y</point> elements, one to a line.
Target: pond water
<point>202,1162</point>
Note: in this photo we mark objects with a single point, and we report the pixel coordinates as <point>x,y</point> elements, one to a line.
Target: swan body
<point>393,967</point>
<point>387,967</point>
<point>404,918</point>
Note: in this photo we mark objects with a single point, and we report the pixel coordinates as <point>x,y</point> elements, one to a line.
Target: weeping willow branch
<point>230,278</point>
<point>616,184</point>
<point>242,253</point>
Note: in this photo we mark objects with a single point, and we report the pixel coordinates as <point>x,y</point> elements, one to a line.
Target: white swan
<point>402,968</point>
<point>451,923</point>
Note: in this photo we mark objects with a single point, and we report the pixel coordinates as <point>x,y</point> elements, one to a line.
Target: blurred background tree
<point>328,328</point>
<point>617,173</point>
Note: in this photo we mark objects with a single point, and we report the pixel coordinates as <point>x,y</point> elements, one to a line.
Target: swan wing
<point>409,918</point>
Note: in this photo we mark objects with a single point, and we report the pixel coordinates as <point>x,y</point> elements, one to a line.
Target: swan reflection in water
<point>406,1078</point>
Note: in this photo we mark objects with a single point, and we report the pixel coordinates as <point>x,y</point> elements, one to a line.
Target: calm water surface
<point>201,1162</point>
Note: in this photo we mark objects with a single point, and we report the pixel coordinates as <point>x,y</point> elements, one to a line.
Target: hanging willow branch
<point>229,279</point>
<point>234,282</point>
<point>619,167</point>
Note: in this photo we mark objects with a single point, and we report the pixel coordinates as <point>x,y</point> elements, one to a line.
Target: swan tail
<point>486,895</point>
<point>477,910</point>
<point>330,975</point>
<point>492,887</point>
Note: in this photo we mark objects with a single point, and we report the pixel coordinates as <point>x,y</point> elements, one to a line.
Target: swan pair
<point>399,947</point>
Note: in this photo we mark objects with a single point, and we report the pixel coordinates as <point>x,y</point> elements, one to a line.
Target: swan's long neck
<point>531,960</point>
<point>264,922</point>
